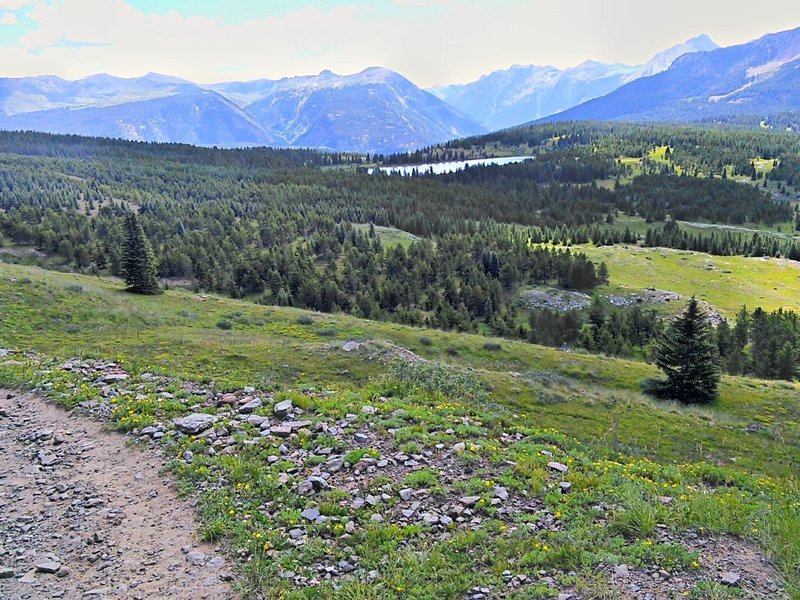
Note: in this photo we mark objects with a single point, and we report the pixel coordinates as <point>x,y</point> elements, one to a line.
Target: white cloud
<point>8,18</point>
<point>430,41</point>
<point>13,4</point>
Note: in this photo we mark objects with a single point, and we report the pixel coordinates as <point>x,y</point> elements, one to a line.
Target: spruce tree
<point>138,262</point>
<point>688,356</point>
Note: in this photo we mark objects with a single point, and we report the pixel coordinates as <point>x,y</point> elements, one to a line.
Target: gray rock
<point>194,423</point>
<point>110,378</point>
<point>565,487</point>
<point>731,578</point>
<point>621,571</point>
<point>406,494</point>
<point>251,406</point>
<point>361,438</point>
<point>334,465</point>
<point>282,409</point>
<point>368,410</point>
<point>501,492</point>
<point>311,513</point>
<point>149,430</point>
<point>557,466</point>
<point>351,346</point>
<point>296,534</point>
<point>281,432</point>
<point>6,572</point>
<point>196,558</point>
<point>459,447</point>
<point>470,500</point>
<point>48,566</point>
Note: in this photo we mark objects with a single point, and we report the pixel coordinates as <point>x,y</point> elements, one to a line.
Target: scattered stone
<point>469,500</point>
<point>196,558</point>
<point>6,572</point>
<point>565,487</point>
<point>621,571</point>
<point>557,466</point>
<point>351,346</point>
<point>459,447</point>
<point>406,494</point>
<point>282,409</point>
<point>194,423</point>
<point>731,578</point>
<point>48,566</point>
<point>251,406</point>
<point>311,513</point>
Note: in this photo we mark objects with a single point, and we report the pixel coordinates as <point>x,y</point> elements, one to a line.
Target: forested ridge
<point>297,227</point>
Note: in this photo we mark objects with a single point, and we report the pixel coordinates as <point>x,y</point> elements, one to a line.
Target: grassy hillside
<point>506,400</point>
<point>725,282</point>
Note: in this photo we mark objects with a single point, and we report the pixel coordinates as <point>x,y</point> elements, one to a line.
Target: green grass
<point>389,236</point>
<point>730,282</point>
<point>623,448</point>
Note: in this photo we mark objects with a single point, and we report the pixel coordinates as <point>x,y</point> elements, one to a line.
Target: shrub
<point>491,346</point>
<point>426,341</point>
<point>451,351</point>
<point>225,324</point>
<point>305,320</point>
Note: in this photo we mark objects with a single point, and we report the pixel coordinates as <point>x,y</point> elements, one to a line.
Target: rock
<point>376,518</point>
<point>731,578</point>
<point>368,410</point>
<point>29,577</point>
<point>665,500</point>
<point>196,558</point>
<point>350,527</point>
<point>566,596</point>
<point>296,534</point>
<point>501,492</point>
<point>251,406</point>
<point>281,432</point>
<point>565,487</point>
<point>469,500</point>
<point>282,409</point>
<point>334,465</point>
<point>63,572</point>
<point>149,431</point>
<point>230,399</point>
<point>6,572</point>
<point>311,513</point>
<point>194,423</point>
<point>621,571</point>
<point>49,566</point>
<point>406,494</point>
<point>459,447</point>
<point>351,346</point>
<point>361,438</point>
<point>46,459</point>
<point>110,378</point>
<point>557,466</point>
<point>257,420</point>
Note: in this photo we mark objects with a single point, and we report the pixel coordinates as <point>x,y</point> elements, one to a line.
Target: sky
<point>432,42</point>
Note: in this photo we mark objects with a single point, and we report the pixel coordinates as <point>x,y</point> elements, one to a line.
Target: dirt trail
<point>84,516</point>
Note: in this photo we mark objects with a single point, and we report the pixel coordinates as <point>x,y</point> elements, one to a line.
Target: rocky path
<point>84,516</point>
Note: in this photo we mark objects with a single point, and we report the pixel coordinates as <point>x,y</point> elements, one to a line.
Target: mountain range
<point>376,110</point>
<point>380,111</point>
<point>524,93</point>
<point>761,77</point>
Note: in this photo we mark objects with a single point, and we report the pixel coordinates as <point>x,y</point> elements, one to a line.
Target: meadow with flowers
<point>538,473</point>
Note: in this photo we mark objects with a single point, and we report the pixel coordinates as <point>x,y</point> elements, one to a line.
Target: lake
<point>451,167</point>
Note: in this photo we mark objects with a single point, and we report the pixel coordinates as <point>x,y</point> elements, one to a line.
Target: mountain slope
<point>761,77</point>
<point>191,116</point>
<point>373,111</point>
<point>29,94</point>
<point>523,93</point>
<point>376,110</point>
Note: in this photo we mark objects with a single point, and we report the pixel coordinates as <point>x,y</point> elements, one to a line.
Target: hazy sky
<point>429,41</point>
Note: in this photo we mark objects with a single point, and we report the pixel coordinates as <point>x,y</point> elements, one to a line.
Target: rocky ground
<point>86,516</point>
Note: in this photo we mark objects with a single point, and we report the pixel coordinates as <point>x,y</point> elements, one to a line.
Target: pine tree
<point>688,356</point>
<point>138,262</point>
